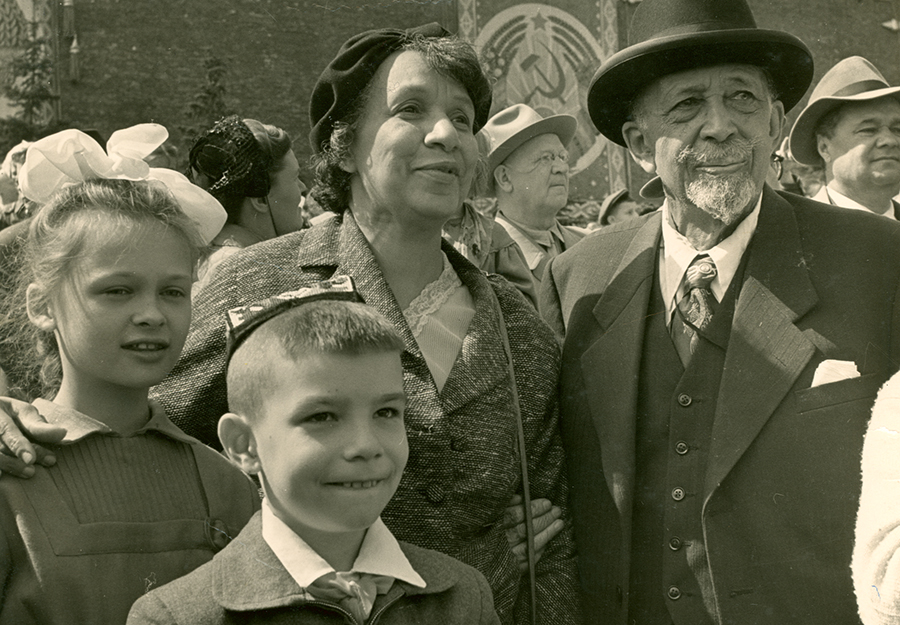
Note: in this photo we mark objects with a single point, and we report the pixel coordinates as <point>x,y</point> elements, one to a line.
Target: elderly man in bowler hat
<point>528,164</point>
<point>852,126</point>
<point>721,355</point>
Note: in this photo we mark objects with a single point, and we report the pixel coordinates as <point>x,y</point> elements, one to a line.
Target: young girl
<point>132,502</point>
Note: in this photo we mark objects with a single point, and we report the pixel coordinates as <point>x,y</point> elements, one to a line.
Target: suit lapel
<point>612,362</point>
<point>480,364</point>
<point>356,259</point>
<point>766,351</point>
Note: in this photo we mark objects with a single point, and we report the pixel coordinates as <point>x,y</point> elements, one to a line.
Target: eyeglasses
<point>778,165</point>
<point>548,158</point>
<point>243,320</point>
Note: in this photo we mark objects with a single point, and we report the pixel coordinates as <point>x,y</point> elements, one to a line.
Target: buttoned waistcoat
<point>463,465</point>
<point>781,481</point>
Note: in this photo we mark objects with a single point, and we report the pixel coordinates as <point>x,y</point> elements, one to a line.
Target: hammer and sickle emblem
<point>553,91</point>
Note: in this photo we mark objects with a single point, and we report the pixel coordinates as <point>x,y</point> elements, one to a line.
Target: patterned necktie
<point>355,592</point>
<point>695,306</point>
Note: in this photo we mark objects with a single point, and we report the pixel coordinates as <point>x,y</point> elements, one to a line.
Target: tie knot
<point>700,273</point>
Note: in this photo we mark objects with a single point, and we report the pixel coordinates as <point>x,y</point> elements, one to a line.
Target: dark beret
<point>351,70</point>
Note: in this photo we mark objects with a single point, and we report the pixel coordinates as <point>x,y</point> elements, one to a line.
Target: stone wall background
<point>142,60</point>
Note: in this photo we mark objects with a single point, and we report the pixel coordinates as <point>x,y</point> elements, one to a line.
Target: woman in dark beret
<point>393,119</point>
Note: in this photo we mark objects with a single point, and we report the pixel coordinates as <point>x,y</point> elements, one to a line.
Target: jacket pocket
<point>840,392</point>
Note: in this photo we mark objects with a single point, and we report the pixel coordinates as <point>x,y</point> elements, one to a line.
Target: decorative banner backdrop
<point>544,56</point>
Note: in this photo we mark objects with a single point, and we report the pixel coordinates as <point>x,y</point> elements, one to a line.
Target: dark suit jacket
<point>246,583</point>
<point>782,480</point>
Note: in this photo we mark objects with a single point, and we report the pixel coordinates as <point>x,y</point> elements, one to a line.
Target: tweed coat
<point>246,583</point>
<point>463,466</point>
<point>781,483</point>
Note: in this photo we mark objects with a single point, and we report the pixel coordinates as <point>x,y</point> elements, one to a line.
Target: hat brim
<point>608,203</point>
<point>618,81</point>
<point>803,142</point>
<point>563,126</point>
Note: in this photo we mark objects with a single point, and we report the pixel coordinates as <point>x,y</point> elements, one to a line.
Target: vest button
<point>674,593</point>
<point>677,494</point>
<point>458,445</point>
<point>675,543</point>
<point>681,448</point>
<point>684,400</point>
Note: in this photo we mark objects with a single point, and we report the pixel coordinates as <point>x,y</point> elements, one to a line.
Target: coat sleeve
<point>487,613</point>
<point>536,358</point>
<point>876,554</point>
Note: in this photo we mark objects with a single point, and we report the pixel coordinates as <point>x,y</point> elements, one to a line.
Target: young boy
<point>316,390</point>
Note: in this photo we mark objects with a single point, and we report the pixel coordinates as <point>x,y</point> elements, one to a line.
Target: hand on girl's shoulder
<point>21,427</point>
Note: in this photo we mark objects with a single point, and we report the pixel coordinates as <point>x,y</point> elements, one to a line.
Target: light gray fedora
<point>514,125</point>
<point>852,80</point>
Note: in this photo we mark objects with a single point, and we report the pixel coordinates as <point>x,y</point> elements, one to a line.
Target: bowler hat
<point>852,80</point>
<point>670,36</point>
<point>513,126</point>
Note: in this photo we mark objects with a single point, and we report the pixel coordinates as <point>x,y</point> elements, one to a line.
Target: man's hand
<point>547,524</point>
<point>17,453</point>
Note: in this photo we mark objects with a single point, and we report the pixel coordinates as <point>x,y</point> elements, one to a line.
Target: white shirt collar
<point>677,254</point>
<point>839,199</point>
<point>380,553</point>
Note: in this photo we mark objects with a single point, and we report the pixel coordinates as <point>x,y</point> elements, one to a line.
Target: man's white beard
<point>723,197</point>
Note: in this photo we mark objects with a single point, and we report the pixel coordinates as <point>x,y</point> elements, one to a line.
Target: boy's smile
<point>330,439</point>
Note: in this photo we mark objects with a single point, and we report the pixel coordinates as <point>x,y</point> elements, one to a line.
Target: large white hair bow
<point>70,157</point>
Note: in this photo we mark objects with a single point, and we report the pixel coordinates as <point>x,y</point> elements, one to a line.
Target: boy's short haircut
<point>324,326</point>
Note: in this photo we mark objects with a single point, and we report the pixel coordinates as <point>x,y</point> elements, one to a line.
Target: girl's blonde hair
<point>57,238</point>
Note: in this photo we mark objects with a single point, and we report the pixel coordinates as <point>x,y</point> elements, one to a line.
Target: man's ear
<point>776,123</point>
<point>501,178</point>
<point>38,309</point>
<point>238,442</point>
<point>642,151</point>
<point>823,145</point>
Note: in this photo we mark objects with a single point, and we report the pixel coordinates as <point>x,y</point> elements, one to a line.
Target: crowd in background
<point>458,403</point>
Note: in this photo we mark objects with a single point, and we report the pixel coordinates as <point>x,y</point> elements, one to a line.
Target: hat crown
<point>851,76</point>
<point>506,124</point>
<point>654,19</point>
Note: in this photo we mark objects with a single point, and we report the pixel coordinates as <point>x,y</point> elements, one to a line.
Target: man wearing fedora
<point>852,126</point>
<point>528,166</point>
<point>720,355</point>
<point>619,206</point>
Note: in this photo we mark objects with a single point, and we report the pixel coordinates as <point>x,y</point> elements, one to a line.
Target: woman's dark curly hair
<point>450,57</point>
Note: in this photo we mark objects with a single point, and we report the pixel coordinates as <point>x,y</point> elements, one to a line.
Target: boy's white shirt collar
<point>677,254</point>
<point>380,553</point>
